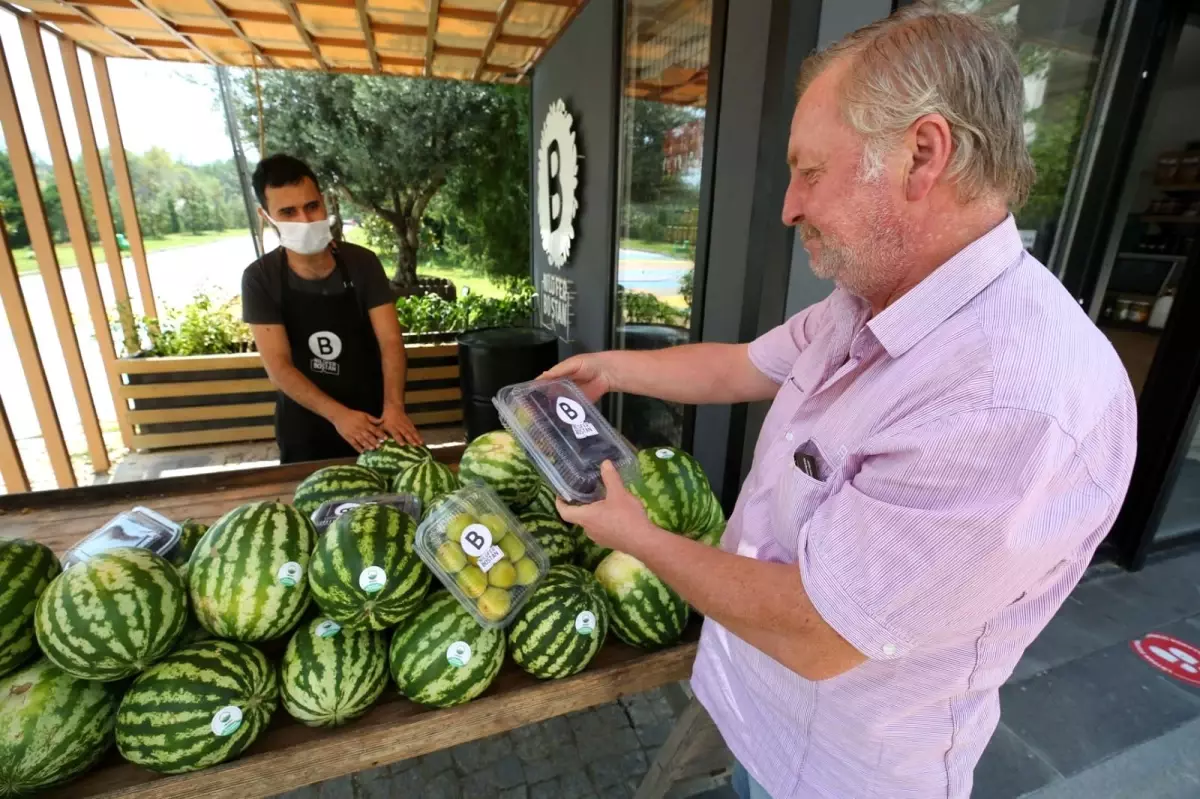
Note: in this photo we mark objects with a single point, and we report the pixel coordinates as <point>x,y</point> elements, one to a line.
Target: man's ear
<point>931,145</point>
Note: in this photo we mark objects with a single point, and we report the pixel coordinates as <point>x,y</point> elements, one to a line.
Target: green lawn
<point>660,247</point>
<point>437,266</point>
<point>26,263</point>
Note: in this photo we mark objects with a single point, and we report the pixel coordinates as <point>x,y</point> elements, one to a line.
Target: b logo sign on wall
<point>557,180</point>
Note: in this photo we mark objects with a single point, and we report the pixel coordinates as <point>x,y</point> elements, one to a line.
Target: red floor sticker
<point>1178,658</point>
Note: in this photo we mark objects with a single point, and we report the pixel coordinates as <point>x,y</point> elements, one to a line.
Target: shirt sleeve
<point>775,352</point>
<point>259,306</point>
<point>946,525</point>
<point>376,289</point>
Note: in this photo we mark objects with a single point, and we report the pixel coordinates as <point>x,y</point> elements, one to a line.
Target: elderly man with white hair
<point>949,440</point>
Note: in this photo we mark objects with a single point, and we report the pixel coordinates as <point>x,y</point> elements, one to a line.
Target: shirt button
<point>889,649</point>
<point>789,436</point>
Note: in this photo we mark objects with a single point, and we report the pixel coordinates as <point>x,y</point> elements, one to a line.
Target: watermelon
<point>26,569</point>
<point>190,533</point>
<point>442,657</point>
<point>365,573</point>
<point>590,554</point>
<point>330,674</point>
<point>198,707</point>
<point>392,458</point>
<point>497,460</point>
<point>543,501</point>
<point>248,576</point>
<point>676,493</point>
<point>429,481</point>
<point>646,613</point>
<point>336,482</point>
<point>560,540</point>
<point>53,726</point>
<point>112,615</point>
<point>562,626</point>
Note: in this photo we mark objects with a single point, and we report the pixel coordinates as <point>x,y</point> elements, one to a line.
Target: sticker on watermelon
<point>226,721</point>
<point>458,654</point>
<point>665,454</point>
<point>328,629</point>
<point>585,622</point>
<point>372,579</point>
<point>289,574</point>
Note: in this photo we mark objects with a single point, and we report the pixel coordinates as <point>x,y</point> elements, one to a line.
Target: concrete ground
<point>1081,718</point>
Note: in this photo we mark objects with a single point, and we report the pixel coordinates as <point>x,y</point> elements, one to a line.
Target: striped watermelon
<point>52,726</point>
<point>26,569</point>
<point>560,540</point>
<point>590,553</point>
<point>543,501</point>
<point>330,675</point>
<point>190,533</point>
<point>198,707</point>
<point>562,626</point>
<point>442,657</point>
<point>428,481</point>
<point>392,458</point>
<point>113,615</point>
<point>676,493</point>
<point>364,571</point>
<point>336,482</point>
<point>645,612</point>
<point>248,576</point>
<point>497,460</point>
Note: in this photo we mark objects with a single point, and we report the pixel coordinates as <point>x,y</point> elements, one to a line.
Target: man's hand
<point>395,423</point>
<point>589,372</point>
<point>613,521</point>
<point>359,429</point>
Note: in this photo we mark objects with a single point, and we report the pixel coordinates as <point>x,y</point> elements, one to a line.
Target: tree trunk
<point>405,279</point>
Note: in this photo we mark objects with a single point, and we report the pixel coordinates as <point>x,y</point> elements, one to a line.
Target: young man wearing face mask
<point>323,318</point>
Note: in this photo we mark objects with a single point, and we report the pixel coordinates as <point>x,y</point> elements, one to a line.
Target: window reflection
<point>665,85</point>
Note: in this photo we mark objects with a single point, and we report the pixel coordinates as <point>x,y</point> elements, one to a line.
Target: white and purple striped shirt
<point>974,442</point>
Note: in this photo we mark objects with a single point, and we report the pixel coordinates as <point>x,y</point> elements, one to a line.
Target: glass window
<point>665,91</point>
<point>1059,44</point>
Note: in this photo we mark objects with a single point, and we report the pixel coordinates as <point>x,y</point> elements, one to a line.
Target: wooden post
<point>104,224</point>
<point>99,190</point>
<point>12,470</point>
<point>43,248</point>
<point>68,192</point>
<point>116,149</point>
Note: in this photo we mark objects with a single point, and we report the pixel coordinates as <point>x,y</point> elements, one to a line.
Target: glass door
<point>661,194</point>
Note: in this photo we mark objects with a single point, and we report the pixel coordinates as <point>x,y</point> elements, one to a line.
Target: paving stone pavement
<point>599,753</point>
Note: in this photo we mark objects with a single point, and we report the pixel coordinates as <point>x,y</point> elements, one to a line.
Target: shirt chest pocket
<point>809,476</point>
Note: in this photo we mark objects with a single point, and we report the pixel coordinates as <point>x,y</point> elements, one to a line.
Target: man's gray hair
<point>924,60</point>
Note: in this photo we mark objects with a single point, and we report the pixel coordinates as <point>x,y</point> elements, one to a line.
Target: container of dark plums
<point>565,436</point>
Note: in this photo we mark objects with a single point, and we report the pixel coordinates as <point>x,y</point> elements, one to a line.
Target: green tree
<point>10,205</point>
<point>389,145</point>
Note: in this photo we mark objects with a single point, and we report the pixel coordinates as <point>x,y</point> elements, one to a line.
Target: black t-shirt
<point>262,283</point>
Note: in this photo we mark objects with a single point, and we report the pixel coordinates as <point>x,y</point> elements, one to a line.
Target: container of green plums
<point>482,554</point>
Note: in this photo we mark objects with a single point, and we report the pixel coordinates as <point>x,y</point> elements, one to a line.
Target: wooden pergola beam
<point>290,7</point>
<point>92,18</point>
<point>466,14</point>
<point>575,7</point>
<point>120,165</point>
<point>30,197</point>
<point>72,207</point>
<point>497,28</point>
<point>108,238</point>
<point>364,22</point>
<point>237,31</point>
<point>12,468</point>
<point>399,29</point>
<point>431,37</point>
<point>170,28</point>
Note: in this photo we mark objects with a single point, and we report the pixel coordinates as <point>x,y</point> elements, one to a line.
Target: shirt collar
<point>948,288</point>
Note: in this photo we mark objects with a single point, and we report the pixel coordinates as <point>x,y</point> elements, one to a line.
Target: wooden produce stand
<point>289,755</point>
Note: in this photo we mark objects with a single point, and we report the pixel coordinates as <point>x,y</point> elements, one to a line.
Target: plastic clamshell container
<point>565,436</point>
<point>138,527</point>
<point>482,554</point>
<point>328,513</point>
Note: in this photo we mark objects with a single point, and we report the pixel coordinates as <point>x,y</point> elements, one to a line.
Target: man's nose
<point>793,206</point>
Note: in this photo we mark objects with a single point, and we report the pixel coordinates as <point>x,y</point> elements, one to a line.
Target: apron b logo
<point>325,345</point>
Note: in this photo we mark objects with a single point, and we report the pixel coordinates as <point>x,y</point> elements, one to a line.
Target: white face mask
<point>305,238</point>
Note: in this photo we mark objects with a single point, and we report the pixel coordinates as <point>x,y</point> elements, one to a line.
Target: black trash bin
<point>493,358</point>
<point>646,421</point>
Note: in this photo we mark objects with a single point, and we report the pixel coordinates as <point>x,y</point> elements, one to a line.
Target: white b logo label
<point>325,345</point>
<point>569,411</point>
<point>476,539</point>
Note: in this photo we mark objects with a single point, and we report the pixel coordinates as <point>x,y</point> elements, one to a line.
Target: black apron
<point>334,346</point>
